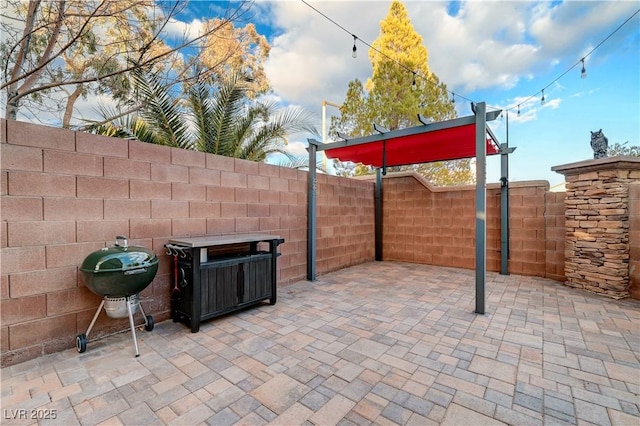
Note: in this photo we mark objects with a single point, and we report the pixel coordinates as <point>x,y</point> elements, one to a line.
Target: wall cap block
<point>37,135</point>
<point>421,179</point>
<point>609,163</point>
<point>3,130</point>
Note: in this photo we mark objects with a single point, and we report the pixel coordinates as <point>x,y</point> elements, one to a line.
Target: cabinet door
<point>219,289</point>
<point>257,280</point>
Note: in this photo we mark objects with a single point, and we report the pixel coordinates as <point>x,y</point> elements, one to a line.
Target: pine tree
<point>400,88</point>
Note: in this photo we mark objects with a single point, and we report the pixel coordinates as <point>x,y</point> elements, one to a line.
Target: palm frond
<point>161,110</point>
<point>227,105</point>
<point>293,119</point>
<point>203,116</point>
<point>270,136</point>
<point>142,132</point>
<point>124,125</point>
<point>215,117</point>
<point>247,146</point>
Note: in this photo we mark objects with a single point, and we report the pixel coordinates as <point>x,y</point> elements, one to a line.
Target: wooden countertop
<point>220,240</point>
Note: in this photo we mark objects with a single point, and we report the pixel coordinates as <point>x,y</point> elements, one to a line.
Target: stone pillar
<point>597,246</point>
<point>634,240</point>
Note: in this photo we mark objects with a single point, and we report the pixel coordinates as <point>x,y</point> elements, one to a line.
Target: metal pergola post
<point>481,204</point>
<point>311,212</point>
<point>504,209</point>
<point>504,202</point>
<point>378,214</point>
<point>383,137</point>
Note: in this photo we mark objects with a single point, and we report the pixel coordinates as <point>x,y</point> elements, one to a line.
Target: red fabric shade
<point>446,144</point>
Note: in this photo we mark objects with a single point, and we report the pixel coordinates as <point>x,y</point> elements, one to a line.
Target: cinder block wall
<point>555,232</point>
<point>66,194</point>
<point>435,225</point>
<point>345,222</point>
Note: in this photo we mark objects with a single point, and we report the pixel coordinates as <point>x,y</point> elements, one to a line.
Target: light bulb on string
<point>413,84</point>
<point>452,101</point>
<point>354,53</point>
<point>453,98</point>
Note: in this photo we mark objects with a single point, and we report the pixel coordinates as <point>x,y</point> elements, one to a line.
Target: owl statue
<point>599,144</point>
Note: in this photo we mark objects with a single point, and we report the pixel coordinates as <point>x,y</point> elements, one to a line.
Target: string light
<point>354,53</point>
<point>453,98</point>
<point>582,75</point>
<point>413,84</point>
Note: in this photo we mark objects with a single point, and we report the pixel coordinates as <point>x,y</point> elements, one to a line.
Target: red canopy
<point>449,143</point>
<point>436,141</point>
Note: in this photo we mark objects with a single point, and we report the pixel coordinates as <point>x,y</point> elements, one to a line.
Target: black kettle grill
<point>118,274</point>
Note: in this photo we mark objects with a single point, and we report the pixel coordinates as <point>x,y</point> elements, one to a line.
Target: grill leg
<point>95,317</point>
<point>143,314</point>
<point>133,327</point>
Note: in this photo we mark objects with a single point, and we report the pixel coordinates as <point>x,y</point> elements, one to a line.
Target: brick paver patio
<point>383,343</point>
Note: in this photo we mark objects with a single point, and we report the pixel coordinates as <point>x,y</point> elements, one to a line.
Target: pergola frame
<point>479,119</point>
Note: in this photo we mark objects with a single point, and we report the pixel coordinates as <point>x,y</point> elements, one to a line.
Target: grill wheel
<point>81,342</point>
<point>148,325</point>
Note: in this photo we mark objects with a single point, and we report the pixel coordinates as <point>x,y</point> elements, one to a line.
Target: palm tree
<point>214,118</point>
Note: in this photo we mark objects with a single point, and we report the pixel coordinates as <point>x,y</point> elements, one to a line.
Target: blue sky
<point>498,52</point>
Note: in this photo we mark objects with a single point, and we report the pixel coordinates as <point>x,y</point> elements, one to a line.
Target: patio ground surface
<point>382,342</point>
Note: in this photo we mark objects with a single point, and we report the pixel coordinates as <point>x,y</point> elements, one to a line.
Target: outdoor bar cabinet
<point>216,275</point>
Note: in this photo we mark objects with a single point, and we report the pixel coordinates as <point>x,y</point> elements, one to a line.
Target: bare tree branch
<point>26,39</point>
<point>47,57</point>
<point>27,78</point>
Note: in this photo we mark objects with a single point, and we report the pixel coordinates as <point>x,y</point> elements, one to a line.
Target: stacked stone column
<point>597,248</point>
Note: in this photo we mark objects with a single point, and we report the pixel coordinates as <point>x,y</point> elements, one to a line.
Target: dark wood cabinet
<point>216,275</point>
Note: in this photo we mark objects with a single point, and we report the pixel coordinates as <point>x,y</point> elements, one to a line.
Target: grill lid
<point>119,258</point>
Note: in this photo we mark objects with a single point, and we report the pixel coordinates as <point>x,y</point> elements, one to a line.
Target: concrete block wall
<point>555,233</point>
<point>424,225</point>
<point>345,228</point>
<point>66,194</point>
<point>434,225</point>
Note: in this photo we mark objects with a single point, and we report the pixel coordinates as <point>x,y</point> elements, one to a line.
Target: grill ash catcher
<point>118,274</point>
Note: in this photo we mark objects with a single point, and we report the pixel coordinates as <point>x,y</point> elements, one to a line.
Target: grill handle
<point>135,271</point>
<point>124,244</point>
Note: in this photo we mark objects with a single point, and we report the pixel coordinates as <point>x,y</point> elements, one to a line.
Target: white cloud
<point>585,92</point>
<point>524,116</point>
<point>485,45</point>
<point>88,109</point>
<point>310,60</point>
<point>178,30</point>
<point>296,148</point>
<point>492,45</point>
<point>570,24</point>
<point>553,103</point>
